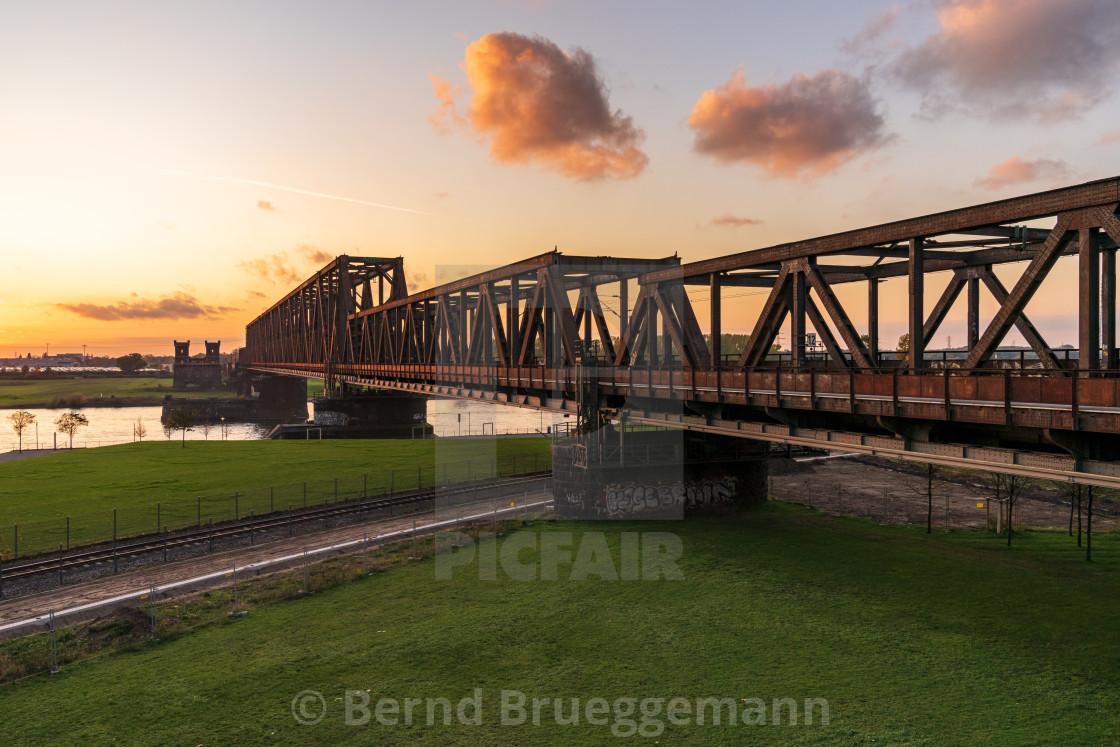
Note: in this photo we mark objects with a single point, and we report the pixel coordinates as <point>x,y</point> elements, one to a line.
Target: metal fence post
<point>15,537</point>
<point>290,529</point>
<point>237,611</point>
<point>365,557</point>
<point>236,506</point>
<point>165,533</point>
<point>210,524</point>
<point>159,520</point>
<point>414,555</point>
<point>114,540</point>
<point>152,604</point>
<point>67,532</point>
<point>306,574</point>
<point>54,645</point>
<point>60,565</point>
<point>271,497</point>
<point>199,501</point>
<point>305,493</point>
<point>251,517</point>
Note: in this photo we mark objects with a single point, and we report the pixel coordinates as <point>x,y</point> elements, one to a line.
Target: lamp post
<point>223,419</point>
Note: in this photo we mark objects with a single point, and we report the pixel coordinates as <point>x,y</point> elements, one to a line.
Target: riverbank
<point>79,392</point>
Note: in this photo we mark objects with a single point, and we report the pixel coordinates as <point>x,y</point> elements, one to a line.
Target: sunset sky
<point>169,170</point>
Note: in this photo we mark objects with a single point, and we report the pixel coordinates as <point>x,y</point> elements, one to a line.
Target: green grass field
<point>87,484</point>
<point>135,392</point>
<point>911,639</point>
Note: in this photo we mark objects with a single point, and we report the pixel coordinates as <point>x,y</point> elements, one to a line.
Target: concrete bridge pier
<point>659,474</point>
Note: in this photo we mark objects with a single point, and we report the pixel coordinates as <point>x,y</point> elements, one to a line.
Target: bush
<point>68,401</point>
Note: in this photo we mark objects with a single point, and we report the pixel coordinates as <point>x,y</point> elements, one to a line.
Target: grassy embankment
<point>87,484</point>
<point>93,392</point>
<point>912,639</point>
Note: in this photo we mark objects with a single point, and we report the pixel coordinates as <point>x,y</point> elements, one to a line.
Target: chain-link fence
<point>157,613</point>
<point>910,493</point>
<point>37,535</point>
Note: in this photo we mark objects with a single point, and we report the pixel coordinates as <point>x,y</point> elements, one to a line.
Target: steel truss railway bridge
<point>537,333</point>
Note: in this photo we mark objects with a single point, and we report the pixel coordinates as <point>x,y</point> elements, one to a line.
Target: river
<point>114,425</point>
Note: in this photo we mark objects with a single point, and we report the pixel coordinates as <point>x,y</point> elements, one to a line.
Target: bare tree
<point>181,420</point>
<point>206,426</point>
<point>926,488</point>
<point>69,423</point>
<point>1012,484</point>
<point>167,429</point>
<point>139,430</point>
<point>20,421</point>
<point>1089,529</point>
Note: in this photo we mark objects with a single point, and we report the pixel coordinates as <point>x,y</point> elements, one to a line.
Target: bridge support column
<point>1108,308</point>
<point>797,320</point>
<point>873,320</point>
<point>973,312</point>
<point>1088,354</point>
<point>716,322</point>
<point>917,304</point>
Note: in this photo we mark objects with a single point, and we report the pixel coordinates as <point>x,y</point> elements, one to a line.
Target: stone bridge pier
<point>618,473</point>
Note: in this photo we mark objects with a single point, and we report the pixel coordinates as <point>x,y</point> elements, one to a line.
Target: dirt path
<point>862,487</point>
<point>107,587</point>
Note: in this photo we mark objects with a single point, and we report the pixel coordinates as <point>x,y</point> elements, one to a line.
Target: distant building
<point>198,373</point>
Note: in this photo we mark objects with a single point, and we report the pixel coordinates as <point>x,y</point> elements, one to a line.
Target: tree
<point>20,421</point>
<point>1010,485</point>
<point>206,427</point>
<point>69,423</point>
<point>927,490</point>
<point>167,429</point>
<point>139,430</point>
<point>181,420</point>
<point>131,363</point>
<point>903,350</point>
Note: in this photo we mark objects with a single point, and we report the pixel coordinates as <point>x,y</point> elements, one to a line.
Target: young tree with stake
<point>20,421</point>
<point>69,423</point>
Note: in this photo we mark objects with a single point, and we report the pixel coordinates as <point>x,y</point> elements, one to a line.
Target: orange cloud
<point>274,267</point>
<point>178,306</point>
<point>538,103</point>
<point>812,124</point>
<point>727,220</point>
<point>1110,138</point>
<point>1045,60</point>
<point>265,205</point>
<point>314,254</point>
<point>1015,171</point>
<point>278,268</point>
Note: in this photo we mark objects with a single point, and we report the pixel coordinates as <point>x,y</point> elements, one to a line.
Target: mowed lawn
<point>911,639</point>
<point>204,476</point>
<point>97,391</point>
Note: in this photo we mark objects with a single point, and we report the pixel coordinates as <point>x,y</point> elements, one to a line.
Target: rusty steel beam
<point>839,317</point>
<point>1089,300</point>
<point>1024,289</point>
<point>948,297</point>
<point>1029,207</point>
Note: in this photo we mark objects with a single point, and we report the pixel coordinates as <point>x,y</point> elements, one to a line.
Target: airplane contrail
<point>269,185</point>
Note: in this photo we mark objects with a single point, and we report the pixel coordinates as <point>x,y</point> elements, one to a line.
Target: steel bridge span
<point>622,335</point>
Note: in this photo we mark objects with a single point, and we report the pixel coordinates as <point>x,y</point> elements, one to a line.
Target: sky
<point>169,170</point>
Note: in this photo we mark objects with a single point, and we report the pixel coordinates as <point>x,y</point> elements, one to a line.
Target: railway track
<point>267,525</point>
